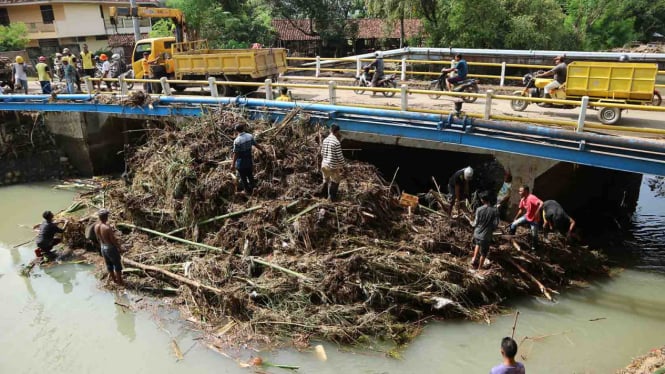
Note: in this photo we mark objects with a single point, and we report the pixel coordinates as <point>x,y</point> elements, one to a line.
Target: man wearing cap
<point>46,237</point>
<point>44,75</point>
<point>242,157</point>
<point>110,247</point>
<point>559,72</point>
<point>458,187</point>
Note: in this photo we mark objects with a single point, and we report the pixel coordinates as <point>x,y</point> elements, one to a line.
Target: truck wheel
<point>657,100</point>
<point>517,104</point>
<point>609,116</point>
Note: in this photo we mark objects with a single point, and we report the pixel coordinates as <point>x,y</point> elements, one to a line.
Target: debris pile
<point>286,262</point>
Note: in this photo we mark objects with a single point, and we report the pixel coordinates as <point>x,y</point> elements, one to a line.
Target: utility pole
<point>135,21</point>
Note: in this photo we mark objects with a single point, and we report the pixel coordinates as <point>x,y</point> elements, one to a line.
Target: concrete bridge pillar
<point>525,170</point>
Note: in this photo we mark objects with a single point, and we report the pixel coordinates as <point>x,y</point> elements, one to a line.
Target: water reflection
<point>124,317</point>
<point>64,274</point>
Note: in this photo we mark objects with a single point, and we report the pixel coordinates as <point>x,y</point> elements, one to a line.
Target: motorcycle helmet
<point>378,55</point>
<point>65,51</point>
<point>468,173</point>
<point>42,59</point>
<point>19,59</point>
<point>103,57</point>
<point>58,54</point>
<point>115,57</point>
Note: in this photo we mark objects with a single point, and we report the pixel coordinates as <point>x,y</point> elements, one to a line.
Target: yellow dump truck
<point>602,82</point>
<point>196,61</point>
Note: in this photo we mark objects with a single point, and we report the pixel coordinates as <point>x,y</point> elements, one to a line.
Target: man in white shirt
<point>333,162</point>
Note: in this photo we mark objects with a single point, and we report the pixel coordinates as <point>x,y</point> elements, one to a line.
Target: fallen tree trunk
<point>171,275</point>
<point>542,287</point>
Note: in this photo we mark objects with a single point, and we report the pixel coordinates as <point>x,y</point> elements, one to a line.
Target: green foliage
<point>162,28</point>
<point>13,37</point>
<point>394,10</point>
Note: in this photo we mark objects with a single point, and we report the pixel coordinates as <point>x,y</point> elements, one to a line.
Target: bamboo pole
<point>305,211</point>
<point>218,218</point>
<point>171,275</point>
<point>217,249</point>
<point>542,287</point>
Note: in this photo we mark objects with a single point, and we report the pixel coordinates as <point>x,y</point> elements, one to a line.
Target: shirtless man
<point>110,247</point>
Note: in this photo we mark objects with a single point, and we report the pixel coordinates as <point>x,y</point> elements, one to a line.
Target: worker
<point>110,247</point>
<point>509,365</point>
<point>284,94</point>
<point>88,63</point>
<point>74,62</point>
<point>46,238</point>
<point>147,74</point>
<point>242,157</point>
<point>558,72</point>
<point>70,76</point>
<point>530,206</point>
<point>503,196</point>
<point>106,70</point>
<point>332,165</point>
<point>20,75</point>
<point>484,224</point>
<point>458,187</point>
<point>66,54</point>
<point>556,219</point>
<point>44,75</point>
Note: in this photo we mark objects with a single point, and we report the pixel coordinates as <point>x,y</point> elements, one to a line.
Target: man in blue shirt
<point>461,68</point>
<point>242,157</point>
<point>509,365</point>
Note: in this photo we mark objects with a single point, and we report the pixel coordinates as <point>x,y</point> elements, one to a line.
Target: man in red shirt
<point>529,204</point>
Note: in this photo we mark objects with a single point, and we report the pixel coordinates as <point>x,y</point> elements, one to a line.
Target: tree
<point>600,24</point>
<point>162,28</point>
<point>393,10</point>
<point>13,37</point>
<point>476,24</point>
<point>536,25</point>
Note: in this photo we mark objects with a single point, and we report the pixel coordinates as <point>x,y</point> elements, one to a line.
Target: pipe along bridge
<point>637,155</point>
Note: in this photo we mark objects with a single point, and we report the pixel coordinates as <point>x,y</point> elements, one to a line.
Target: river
<point>60,321</point>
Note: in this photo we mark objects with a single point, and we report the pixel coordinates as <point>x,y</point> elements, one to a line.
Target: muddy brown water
<point>60,321</point>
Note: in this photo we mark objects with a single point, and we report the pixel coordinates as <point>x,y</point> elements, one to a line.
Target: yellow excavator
<point>177,58</point>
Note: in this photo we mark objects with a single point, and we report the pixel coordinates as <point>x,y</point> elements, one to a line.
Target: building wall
<point>79,20</point>
<point>32,17</point>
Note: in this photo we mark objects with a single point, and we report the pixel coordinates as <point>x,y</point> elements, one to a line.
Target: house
<point>366,34</point>
<point>56,24</point>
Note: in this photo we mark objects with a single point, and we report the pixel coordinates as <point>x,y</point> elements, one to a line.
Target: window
<point>4,17</point>
<point>101,37</point>
<point>47,13</point>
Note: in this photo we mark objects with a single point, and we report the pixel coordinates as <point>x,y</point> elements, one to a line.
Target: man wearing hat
<point>242,157</point>
<point>110,247</point>
<point>559,72</point>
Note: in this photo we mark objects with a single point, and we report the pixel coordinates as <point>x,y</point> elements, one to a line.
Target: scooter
<point>365,79</point>
<point>468,85</point>
<point>535,87</point>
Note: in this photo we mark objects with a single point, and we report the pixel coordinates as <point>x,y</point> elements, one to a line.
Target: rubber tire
<point>356,83</point>
<point>392,84</point>
<point>519,105</point>
<point>470,89</point>
<point>609,116</point>
<point>434,86</point>
<point>657,99</point>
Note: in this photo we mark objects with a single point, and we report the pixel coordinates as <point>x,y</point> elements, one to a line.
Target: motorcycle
<point>365,79</point>
<point>468,85</point>
<point>535,87</point>
<point>118,69</point>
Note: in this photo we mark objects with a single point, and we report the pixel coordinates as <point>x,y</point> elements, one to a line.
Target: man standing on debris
<point>486,221</point>
<point>332,166</point>
<point>110,247</point>
<point>46,237</point>
<point>509,365</point>
<point>556,219</point>
<point>530,205</point>
<point>458,187</point>
<point>242,157</point>
<point>503,197</point>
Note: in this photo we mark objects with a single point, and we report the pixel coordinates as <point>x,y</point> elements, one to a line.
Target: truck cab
<point>157,47</point>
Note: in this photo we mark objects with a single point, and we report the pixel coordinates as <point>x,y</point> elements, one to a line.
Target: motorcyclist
<point>559,72</point>
<point>461,68</point>
<point>377,64</point>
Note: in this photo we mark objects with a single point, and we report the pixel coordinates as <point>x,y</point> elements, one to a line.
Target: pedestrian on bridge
<point>332,166</point>
<point>70,76</point>
<point>527,214</point>
<point>242,157</point>
<point>458,187</point>
<point>20,75</point>
<point>44,75</point>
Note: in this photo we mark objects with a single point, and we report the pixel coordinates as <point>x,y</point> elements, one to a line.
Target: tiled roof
<point>20,2</point>
<point>368,28</point>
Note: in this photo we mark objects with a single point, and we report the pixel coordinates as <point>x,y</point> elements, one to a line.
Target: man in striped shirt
<point>242,157</point>
<point>333,162</point>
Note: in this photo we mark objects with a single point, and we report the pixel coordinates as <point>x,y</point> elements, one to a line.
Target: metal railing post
<point>404,98</point>
<point>582,117</point>
<point>488,104</point>
<point>358,66</point>
<point>123,85</point>
<point>212,83</point>
<point>318,66</point>
<point>88,84</point>
<point>332,92</point>
<point>166,89</point>
<point>503,73</point>
<point>269,89</point>
<point>403,77</point>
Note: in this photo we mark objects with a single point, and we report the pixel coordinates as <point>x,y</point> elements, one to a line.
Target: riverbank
<point>650,363</point>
